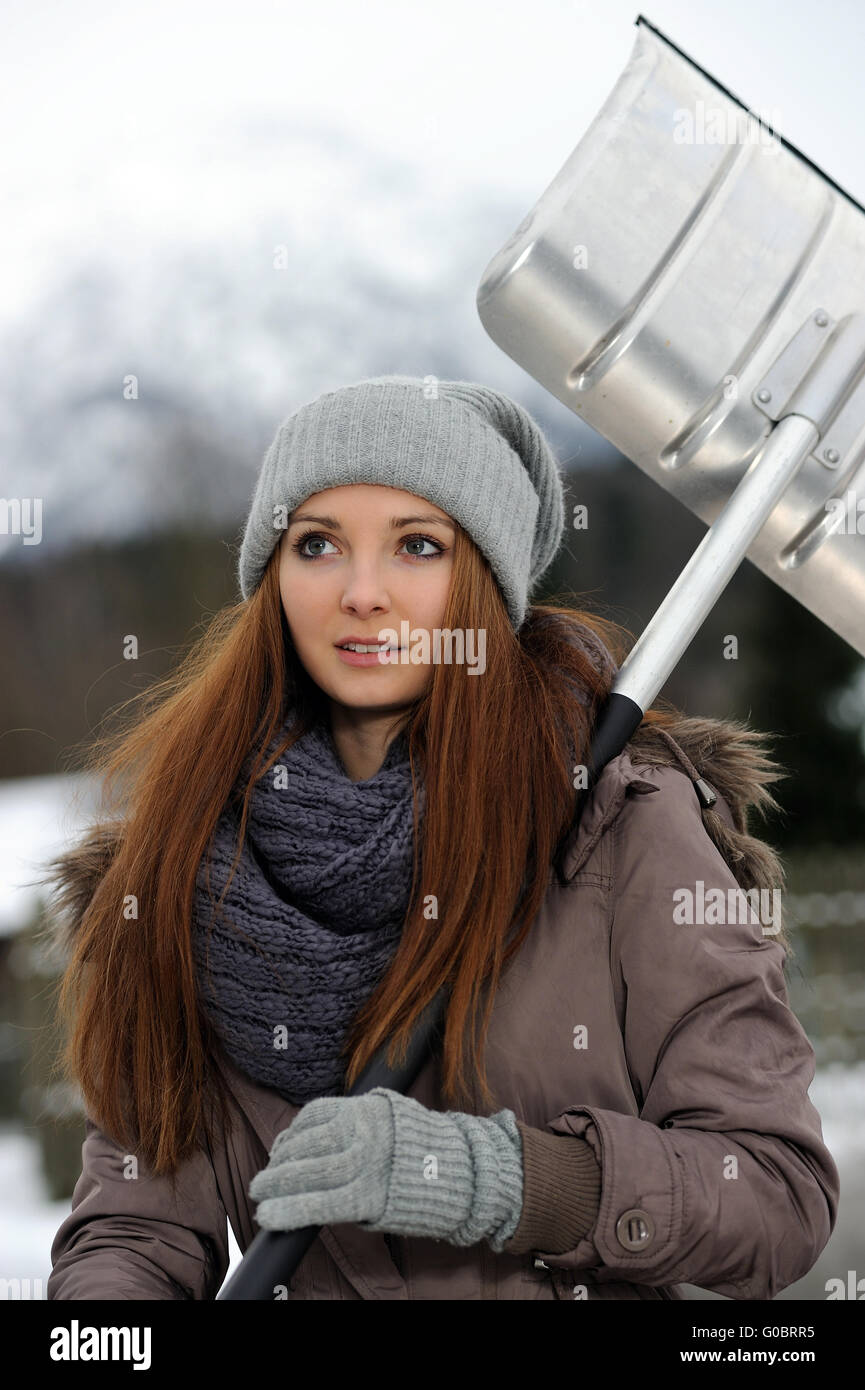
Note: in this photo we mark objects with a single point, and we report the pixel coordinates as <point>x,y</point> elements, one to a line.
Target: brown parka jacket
<point>668,1046</point>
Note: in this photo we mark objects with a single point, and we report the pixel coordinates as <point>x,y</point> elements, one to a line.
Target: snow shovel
<point>694,287</point>
<point>701,303</point>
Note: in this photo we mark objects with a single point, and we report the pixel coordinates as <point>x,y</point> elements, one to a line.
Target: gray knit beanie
<point>468,448</point>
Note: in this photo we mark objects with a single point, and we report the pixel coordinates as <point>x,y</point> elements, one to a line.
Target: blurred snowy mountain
<point>151,376</point>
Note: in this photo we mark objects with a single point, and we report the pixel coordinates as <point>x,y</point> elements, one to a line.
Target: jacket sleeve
<point>722,1179</point>
<point>141,1237</point>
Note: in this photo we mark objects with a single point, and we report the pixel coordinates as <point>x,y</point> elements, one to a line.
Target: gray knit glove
<point>388,1163</point>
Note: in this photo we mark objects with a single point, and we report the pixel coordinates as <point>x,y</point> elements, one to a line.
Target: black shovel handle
<point>273,1256</point>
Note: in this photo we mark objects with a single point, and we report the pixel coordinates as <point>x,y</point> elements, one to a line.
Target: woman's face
<point>354,562</point>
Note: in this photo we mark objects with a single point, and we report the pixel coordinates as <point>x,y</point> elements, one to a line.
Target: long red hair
<point>496,755</point>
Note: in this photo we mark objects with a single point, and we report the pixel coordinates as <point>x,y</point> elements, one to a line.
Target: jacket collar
<point>617,780</point>
<point>720,756</point>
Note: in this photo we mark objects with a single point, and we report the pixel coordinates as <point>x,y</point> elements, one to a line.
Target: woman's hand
<point>389,1164</point>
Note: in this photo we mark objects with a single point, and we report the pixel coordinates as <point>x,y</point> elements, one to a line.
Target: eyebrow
<point>395,522</point>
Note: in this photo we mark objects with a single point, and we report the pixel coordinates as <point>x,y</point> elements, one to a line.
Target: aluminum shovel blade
<point>687,280</point>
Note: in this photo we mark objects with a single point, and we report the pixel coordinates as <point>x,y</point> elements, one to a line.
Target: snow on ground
<point>38,817</point>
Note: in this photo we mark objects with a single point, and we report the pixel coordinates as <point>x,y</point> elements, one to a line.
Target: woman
<point>314,838</point>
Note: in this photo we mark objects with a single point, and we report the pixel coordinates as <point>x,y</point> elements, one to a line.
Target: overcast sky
<point>125,125</point>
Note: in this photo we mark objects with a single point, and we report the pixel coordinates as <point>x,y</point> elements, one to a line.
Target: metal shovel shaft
<point>715,561</point>
<point>697,589</point>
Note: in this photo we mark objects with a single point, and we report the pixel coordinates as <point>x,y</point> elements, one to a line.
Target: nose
<point>365,591</point>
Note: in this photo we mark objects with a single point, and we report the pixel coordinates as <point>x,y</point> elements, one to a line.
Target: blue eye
<point>307,536</point>
<point>299,545</point>
<point>424,540</point>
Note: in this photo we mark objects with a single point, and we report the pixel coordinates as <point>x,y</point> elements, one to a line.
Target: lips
<point>352,645</point>
<point>380,657</point>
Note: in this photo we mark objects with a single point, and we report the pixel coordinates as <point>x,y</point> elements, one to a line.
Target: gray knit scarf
<point>314,912</point>
<point>316,906</point>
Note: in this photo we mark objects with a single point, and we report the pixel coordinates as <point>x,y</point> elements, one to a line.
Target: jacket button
<point>635,1229</point>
